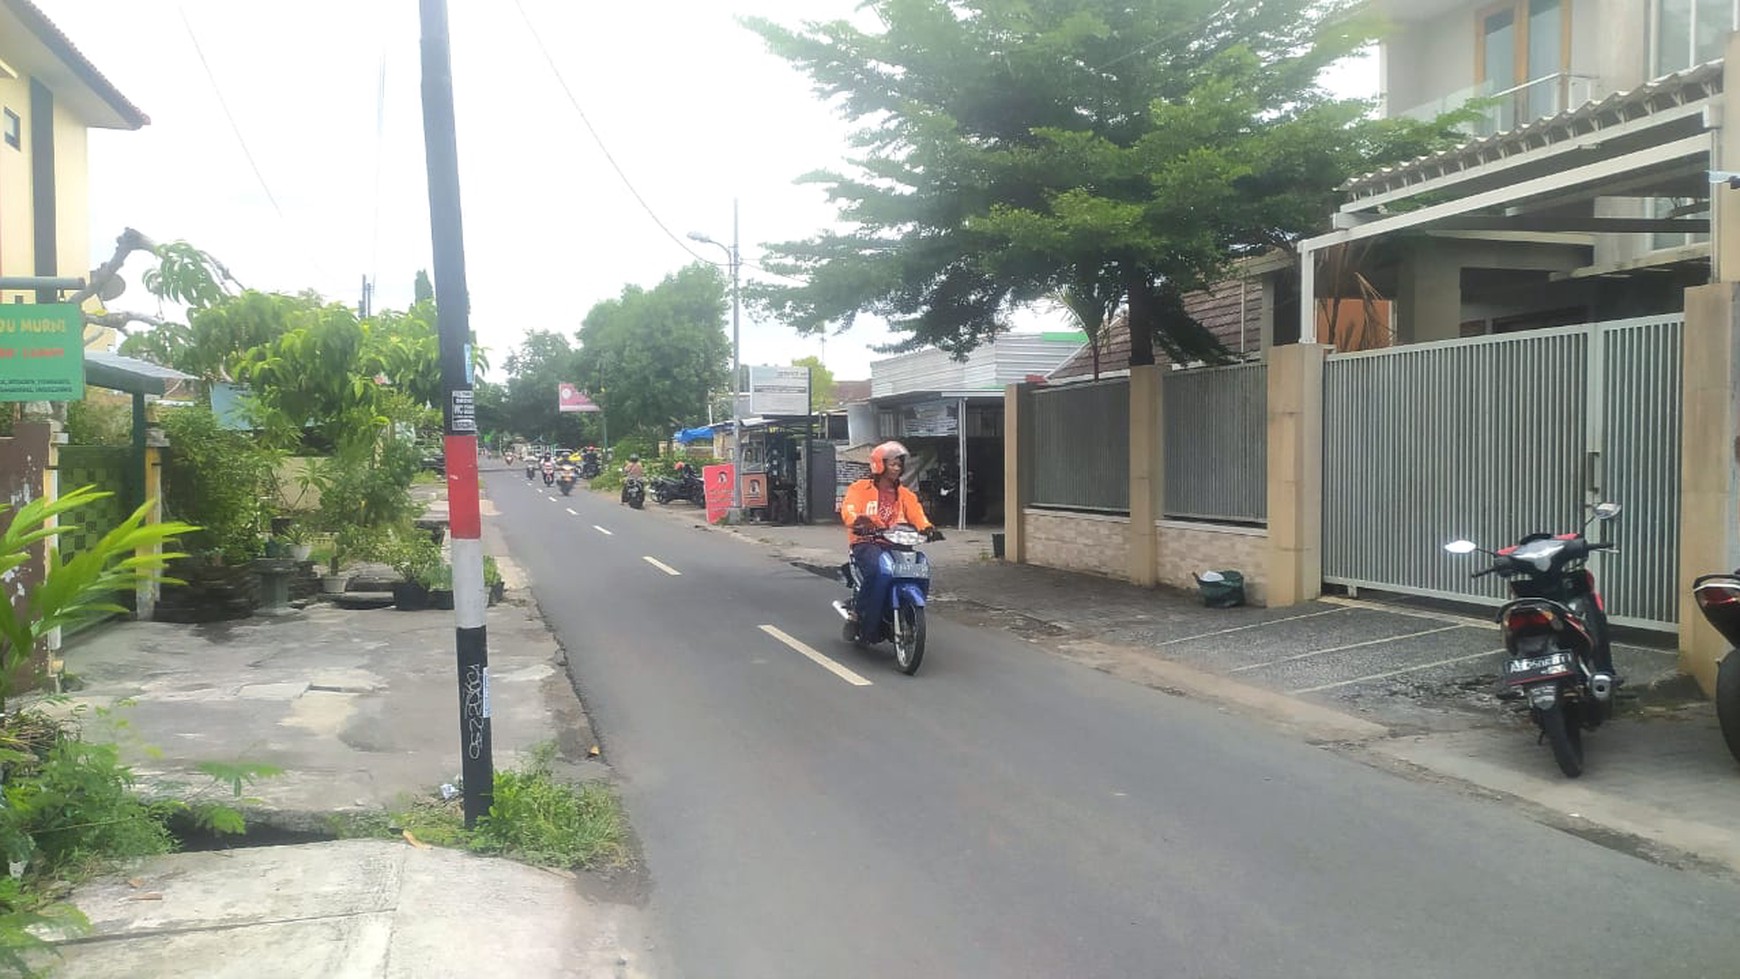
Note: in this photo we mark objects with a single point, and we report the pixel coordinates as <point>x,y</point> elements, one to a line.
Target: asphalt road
<point>1007,813</point>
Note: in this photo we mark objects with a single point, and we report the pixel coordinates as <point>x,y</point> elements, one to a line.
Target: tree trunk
<point>1141,317</point>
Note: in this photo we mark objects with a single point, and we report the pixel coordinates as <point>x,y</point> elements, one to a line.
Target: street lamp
<point>736,260</point>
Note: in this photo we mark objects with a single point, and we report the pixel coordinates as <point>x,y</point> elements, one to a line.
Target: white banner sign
<point>779,390</point>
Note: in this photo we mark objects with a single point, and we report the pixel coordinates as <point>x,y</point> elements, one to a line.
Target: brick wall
<point>1078,541</point>
<point>1190,548</point>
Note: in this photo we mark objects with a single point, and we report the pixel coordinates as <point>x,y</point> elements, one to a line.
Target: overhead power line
<point>602,148</point>
<point>218,91</point>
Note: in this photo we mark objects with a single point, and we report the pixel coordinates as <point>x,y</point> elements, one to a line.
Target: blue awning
<point>689,435</point>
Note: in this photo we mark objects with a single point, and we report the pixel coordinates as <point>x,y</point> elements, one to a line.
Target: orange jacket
<point>862,501</point>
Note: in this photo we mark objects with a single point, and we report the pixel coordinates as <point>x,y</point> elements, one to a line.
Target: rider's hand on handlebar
<point>933,535</point>
<point>863,525</point>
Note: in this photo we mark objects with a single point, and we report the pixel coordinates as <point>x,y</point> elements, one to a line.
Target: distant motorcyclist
<point>634,470</point>
<point>876,504</point>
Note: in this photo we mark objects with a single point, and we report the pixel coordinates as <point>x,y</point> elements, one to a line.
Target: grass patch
<point>424,477</point>
<point>69,810</point>
<point>536,818</point>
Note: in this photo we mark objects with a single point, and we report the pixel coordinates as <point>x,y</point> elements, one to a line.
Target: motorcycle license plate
<point>910,565</point>
<point>1530,669</point>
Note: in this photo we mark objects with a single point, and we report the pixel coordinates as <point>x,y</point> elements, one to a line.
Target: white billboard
<point>779,390</point>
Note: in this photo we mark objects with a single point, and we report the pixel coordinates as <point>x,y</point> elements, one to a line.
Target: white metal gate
<point>1490,438</point>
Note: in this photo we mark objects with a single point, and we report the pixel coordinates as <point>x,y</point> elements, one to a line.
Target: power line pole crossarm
<point>453,324</point>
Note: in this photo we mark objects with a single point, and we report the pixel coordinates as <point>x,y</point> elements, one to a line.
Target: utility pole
<point>736,373</point>
<point>736,259</point>
<point>453,323</point>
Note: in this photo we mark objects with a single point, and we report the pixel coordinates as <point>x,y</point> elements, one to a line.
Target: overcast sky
<point>692,107</point>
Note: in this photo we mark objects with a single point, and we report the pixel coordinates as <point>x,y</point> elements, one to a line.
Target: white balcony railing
<point>1501,110</point>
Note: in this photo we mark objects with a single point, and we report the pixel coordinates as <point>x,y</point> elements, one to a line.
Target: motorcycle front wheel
<point>908,638</point>
<point>1728,701</point>
<point>1564,731</point>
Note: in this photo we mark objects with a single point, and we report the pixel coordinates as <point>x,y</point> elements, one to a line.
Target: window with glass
<point>1691,32</point>
<point>1521,57</point>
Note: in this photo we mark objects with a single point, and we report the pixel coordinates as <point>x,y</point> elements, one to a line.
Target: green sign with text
<point>42,352</point>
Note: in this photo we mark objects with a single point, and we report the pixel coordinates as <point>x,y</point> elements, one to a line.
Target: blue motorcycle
<point>894,606</point>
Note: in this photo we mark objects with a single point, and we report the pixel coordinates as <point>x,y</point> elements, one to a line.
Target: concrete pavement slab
<point>359,707</point>
<point>365,908</point>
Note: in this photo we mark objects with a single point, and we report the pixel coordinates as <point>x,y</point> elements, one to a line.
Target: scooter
<point>1560,650</point>
<point>634,492</point>
<point>895,609</point>
<point>1718,598</point>
<point>565,480</point>
<point>549,473</point>
<point>531,469</point>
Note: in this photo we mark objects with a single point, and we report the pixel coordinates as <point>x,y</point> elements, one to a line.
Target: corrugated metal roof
<point>1668,91</point>
<point>1006,360</point>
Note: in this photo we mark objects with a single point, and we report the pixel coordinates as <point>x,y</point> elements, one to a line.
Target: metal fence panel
<point>1494,437</point>
<point>1216,443</point>
<point>1640,468</point>
<point>1081,446</point>
<point>1426,443</point>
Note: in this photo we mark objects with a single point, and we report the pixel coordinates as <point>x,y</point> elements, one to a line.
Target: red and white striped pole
<point>453,323</point>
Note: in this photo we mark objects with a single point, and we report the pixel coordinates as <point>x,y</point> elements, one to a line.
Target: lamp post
<point>736,261</point>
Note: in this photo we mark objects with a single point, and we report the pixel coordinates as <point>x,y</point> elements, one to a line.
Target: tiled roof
<point>850,392</point>
<point>63,48</point>
<point>1217,309</point>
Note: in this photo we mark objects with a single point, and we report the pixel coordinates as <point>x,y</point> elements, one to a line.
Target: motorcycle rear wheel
<point>1728,702</point>
<point>1564,731</point>
<point>908,638</point>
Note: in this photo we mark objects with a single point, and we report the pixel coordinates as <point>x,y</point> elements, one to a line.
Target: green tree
<point>821,382</point>
<point>214,336</point>
<point>422,290</point>
<point>543,360</point>
<point>1012,148</point>
<point>656,354</point>
<point>342,376</point>
<point>182,274</point>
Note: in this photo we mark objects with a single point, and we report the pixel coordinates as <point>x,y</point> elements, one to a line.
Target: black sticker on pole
<point>464,413</point>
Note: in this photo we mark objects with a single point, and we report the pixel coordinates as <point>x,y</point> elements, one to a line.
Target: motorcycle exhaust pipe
<point>840,607</point>
<point>1601,687</point>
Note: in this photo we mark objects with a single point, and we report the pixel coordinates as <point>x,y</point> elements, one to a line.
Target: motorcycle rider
<point>879,503</point>
<point>634,470</point>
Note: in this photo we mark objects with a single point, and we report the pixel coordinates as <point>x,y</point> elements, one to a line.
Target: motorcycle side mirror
<point>1461,547</point>
<point>1606,511</point>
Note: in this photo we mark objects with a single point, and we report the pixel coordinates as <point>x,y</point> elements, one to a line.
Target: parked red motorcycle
<point>1556,634</point>
<point>1718,598</point>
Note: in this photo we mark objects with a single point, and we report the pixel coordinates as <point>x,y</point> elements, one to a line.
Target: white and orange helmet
<point>880,455</point>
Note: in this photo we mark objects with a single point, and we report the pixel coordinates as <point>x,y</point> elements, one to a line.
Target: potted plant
<point>439,581</point>
<point>295,537</point>
<point>492,580</point>
<point>416,559</point>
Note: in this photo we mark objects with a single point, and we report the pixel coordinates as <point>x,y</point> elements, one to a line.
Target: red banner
<point>571,398</point>
<point>718,480</point>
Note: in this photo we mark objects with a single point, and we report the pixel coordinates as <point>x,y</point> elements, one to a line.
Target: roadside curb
<point>1314,723</point>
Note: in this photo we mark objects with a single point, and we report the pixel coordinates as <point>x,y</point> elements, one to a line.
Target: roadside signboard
<point>718,481</point>
<point>42,352</point>
<point>779,390</point>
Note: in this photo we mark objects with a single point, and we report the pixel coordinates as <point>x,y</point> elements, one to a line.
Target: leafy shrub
<point>95,422</point>
<point>220,480</point>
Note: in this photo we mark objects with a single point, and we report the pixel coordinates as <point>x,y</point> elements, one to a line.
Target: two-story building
<point>51,96</point>
<point>1583,191</point>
